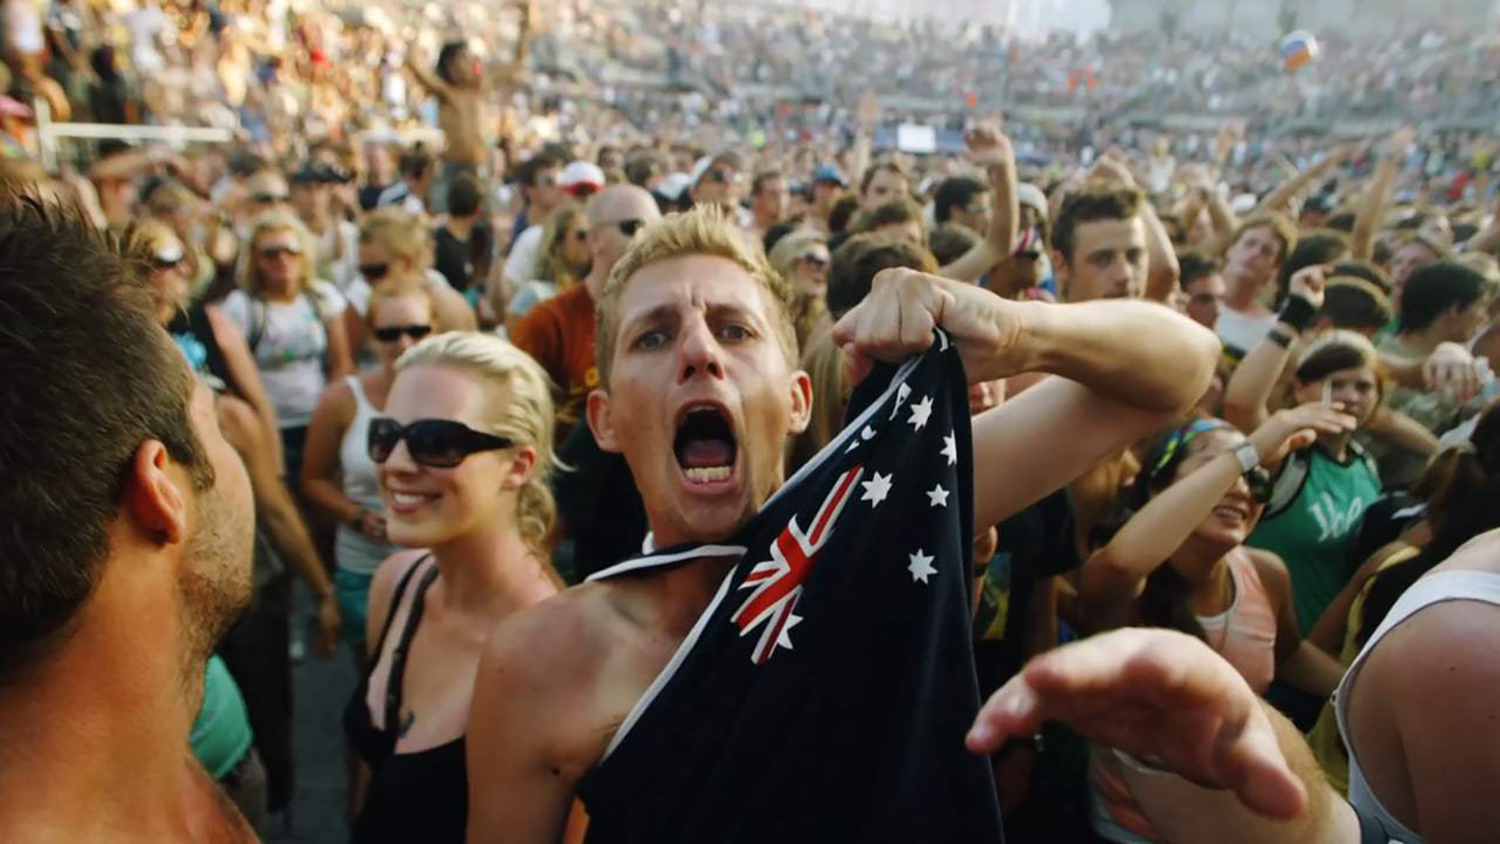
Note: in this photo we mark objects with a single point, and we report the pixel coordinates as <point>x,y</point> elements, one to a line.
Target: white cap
<point>1031,195</point>
<point>674,185</point>
<point>581,174</point>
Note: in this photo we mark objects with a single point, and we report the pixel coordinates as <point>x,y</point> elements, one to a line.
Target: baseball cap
<point>1032,196</point>
<point>673,186</point>
<point>830,173</point>
<point>581,177</point>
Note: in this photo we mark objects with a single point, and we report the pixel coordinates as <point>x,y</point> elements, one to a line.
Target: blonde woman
<point>802,258</point>
<point>463,451</point>
<point>564,260</point>
<point>396,245</point>
<point>338,476</point>
<point>292,323</point>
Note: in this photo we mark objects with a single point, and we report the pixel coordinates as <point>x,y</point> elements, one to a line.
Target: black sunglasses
<point>1262,485</point>
<point>815,261</point>
<point>629,227</point>
<point>392,333</point>
<point>271,253</point>
<point>438,443</point>
<point>374,272</point>
<point>721,175</point>
<point>270,198</point>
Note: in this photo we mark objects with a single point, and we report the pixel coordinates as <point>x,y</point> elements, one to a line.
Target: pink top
<point>1245,635</point>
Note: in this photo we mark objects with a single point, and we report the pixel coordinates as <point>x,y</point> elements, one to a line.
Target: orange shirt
<point>559,334</point>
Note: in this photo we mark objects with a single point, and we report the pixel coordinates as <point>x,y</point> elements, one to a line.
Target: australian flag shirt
<point>824,694</point>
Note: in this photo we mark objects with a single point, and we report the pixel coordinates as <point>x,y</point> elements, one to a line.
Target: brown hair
<point>861,258</point>
<point>890,164</point>
<point>1091,204</point>
<point>89,376</point>
<point>1279,226</point>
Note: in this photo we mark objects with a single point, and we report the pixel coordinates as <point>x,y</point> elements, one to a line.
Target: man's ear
<point>802,399</point>
<point>1060,271</point>
<point>151,496</point>
<point>600,423</point>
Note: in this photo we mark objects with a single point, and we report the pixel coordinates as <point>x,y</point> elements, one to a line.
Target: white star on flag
<point>901,393</point>
<point>920,412</point>
<point>950,449</point>
<point>784,638</point>
<point>937,496</point>
<point>855,442</point>
<point>876,489</point>
<point>920,566</point>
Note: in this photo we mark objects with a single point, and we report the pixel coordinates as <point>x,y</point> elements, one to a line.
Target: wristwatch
<point>1248,455</point>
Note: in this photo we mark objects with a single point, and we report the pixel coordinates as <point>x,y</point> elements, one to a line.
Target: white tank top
<point>1458,585</point>
<point>354,551</point>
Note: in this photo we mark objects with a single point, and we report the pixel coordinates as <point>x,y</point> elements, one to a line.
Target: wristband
<point>1280,338</point>
<point>1248,455</point>
<point>1298,313</point>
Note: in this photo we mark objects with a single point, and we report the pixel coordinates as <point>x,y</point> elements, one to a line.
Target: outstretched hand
<point>1161,696</point>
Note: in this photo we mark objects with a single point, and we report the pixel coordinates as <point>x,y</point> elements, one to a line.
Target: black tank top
<point>420,796</point>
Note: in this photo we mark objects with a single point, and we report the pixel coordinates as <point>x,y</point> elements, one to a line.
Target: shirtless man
<point>690,317</point>
<point>125,546</point>
<point>463,93</point>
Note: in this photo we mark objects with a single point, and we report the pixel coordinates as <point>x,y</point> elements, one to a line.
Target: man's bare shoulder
<point>573,662</point>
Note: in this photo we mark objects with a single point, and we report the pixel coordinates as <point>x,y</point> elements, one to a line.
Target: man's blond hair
<point>702,231</point>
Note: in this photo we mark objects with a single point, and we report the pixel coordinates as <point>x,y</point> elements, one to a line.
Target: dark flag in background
<point>825,693</point>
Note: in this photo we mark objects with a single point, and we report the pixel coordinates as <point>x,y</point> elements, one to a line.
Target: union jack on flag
<point>776,584</point>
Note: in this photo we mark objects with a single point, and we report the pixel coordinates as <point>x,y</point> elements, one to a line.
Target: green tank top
<point>221,735</point>
<point>1312,521</point>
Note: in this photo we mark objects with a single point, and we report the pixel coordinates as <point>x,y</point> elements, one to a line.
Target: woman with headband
<point>1181,562</point>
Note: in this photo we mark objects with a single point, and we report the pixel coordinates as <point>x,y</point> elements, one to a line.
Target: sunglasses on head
<point>374,272</point>
<point>392,333</point>
<point>271,253</point>
<point>436,443</point>
<point>270,198</point>
<point>165,261</point>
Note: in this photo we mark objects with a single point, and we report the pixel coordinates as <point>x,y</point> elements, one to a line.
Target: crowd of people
<point>514,400</point>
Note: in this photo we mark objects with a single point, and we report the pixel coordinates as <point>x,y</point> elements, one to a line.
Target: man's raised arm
<point>1128,369</point>
<point>992,150</point>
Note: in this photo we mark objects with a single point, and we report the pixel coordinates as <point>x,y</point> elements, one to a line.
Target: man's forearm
<point>1185,813</point>
<point>1163,270</point>
<point>1138,353</point>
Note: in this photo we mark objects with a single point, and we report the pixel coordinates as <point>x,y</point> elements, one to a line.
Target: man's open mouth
<point>705,444</point>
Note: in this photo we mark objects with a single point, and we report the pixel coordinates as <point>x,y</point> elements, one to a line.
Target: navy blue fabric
<point>838,712</point>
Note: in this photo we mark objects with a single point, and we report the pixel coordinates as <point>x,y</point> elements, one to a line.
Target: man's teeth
<point>708,474</point>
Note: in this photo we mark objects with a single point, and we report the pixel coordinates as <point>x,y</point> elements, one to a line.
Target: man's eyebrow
<point>659,313</point>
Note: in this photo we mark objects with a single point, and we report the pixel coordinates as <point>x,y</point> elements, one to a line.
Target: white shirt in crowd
<point>520,267</point>
<point>1241,331</point>
<point>289,344</point>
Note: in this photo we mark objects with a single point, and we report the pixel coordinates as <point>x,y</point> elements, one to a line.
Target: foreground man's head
<point>700,390</point>
<point>125,517</point>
